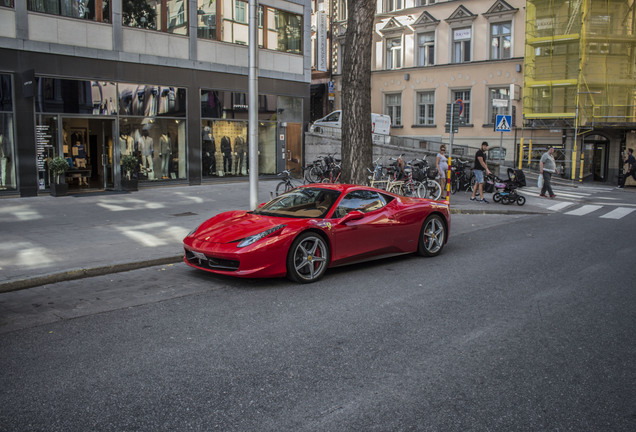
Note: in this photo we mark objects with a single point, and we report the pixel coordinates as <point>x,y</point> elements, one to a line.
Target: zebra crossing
<point>570,202</point>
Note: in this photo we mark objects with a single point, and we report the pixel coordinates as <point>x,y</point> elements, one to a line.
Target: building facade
<point>428,54</point>
<point>580,82</point>
<point>162,80</point>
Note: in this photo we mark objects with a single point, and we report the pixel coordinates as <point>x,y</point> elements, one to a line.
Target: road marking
<point>618,213</point>
<point>584,210</point>
<point>560,206</point>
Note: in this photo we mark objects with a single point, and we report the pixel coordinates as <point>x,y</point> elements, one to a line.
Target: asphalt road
<point>524,323</point>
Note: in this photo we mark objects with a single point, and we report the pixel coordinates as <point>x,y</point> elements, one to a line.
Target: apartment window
<point>393,108</point>
<point>394,53</point>
<point>425,114</point>
<point>426,49</point>
<point>169,16</point>
<point>426,2</point>
<point>393,5</point>
<point>288,29</point>
<point>7,3</point>
<point>464,95</point>
<point>494,108</point>
<point>500,41</point>
<point>206,17</point>
<point>94,10</point>
<point>240,11</point>
<point>461,45</point>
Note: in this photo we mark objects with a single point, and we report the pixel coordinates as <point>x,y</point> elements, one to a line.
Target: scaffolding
<point>580,66</point>
<point>580,56</point>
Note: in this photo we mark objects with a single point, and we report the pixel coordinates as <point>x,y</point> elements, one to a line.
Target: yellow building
<point>579,79</point>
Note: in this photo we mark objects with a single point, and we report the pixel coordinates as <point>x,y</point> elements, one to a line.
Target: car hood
<point>235,225</point>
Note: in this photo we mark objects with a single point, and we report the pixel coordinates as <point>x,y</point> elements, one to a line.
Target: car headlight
<point>256,237</point>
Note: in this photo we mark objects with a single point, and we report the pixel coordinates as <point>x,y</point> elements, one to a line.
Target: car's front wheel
<point>308,258</point>
<point>432,236</point>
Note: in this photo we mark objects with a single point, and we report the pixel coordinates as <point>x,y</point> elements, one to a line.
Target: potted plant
<point>58,166</point>
<point>129,165</point>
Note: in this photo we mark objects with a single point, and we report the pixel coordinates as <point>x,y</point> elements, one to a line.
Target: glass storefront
<point>94,123</point>
<point>7,136</point>
<point>224,134</point>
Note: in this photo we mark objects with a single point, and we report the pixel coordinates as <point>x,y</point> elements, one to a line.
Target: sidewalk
<point>47,240</point>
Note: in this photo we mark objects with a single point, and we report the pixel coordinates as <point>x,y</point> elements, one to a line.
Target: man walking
<point>547,166</point>
<point>630,168</point>
<point>479,168</point>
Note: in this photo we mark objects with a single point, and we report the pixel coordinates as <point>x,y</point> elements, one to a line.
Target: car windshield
<point>310,202</point>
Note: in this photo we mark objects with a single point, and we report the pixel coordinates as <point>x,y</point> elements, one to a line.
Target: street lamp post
<point>253,103</point>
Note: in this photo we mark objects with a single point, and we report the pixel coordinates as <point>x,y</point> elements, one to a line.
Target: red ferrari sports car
<point>304,231</point>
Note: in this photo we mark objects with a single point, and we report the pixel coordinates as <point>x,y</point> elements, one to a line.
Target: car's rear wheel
<point>308,258</point>
<point>432,236</point>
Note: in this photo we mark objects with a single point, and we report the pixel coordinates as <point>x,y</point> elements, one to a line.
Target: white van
<point>331,124</point>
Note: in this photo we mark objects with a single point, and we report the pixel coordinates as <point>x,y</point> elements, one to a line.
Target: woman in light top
<point>442,168</point>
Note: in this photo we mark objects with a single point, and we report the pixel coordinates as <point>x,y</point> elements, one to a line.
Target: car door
<point>366,237</point>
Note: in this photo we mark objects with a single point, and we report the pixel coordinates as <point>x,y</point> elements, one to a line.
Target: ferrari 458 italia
<point>305,231</point>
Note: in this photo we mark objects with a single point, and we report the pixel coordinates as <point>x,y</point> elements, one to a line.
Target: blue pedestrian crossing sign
<point>503,123</point>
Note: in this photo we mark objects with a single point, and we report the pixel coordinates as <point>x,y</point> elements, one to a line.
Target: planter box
<point>129,185</point>
<point>58,189</point>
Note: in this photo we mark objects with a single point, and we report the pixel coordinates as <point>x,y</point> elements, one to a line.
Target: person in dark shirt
<point>479,168</point>
<point>630,169</point>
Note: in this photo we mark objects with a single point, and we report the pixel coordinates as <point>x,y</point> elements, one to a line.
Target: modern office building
<point>580,81</point>
<point>162,80</point>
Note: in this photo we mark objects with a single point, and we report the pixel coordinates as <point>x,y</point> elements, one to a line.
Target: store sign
<point>461,34</point>
<point>321,42</point>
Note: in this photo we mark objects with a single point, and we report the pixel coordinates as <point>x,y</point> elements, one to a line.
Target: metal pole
<point>253,103</point>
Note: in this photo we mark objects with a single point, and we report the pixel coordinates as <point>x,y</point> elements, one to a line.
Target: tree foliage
<point>357,144</point>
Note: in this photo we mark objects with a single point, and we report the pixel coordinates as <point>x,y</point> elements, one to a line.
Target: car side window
<point>333,117</point>
<point>361,200</point>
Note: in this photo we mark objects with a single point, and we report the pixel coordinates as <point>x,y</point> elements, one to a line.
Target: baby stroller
<point>506,190</point>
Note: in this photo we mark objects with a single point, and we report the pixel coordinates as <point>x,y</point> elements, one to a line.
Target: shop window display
<point>159,145</point>
<point>7,160</point>
<point>225,148</point>
<point>151,100</point>
<point>46,148</point>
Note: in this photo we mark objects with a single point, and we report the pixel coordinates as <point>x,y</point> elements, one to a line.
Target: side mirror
<point>352,216</point>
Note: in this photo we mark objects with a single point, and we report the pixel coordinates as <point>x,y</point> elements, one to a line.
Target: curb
<point>495,211</point>
<point>82,273</point>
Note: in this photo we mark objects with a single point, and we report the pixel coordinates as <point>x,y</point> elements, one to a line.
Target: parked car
<point>301,233</point>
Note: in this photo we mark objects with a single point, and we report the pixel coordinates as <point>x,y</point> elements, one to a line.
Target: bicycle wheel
<point>433,189</point>
<point>396,189</point>
<point>313,174</point>
<point>454,186</point>
<point>420,189</point>
<point>282,187</point>
<point>472,183</point>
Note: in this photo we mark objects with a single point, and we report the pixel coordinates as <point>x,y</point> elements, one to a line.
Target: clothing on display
<point>126,144</point>
<point>240,150</point>
<point>226,149</point>
<point>4,159</point>
<point>165,152</point>
<point>79,160</point>
<point>209,152</point>
<point>145,146</point>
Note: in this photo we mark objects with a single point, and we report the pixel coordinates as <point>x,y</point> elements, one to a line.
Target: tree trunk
<point>357,144</point>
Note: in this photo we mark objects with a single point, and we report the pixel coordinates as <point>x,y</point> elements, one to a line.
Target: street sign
<point>503,123</point>
<point>453,115</point>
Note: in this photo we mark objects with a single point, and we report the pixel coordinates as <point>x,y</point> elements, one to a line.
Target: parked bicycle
<point>462,177</point>
<point>325,169</point>
<point>288,182</point>
<point>426,175</point>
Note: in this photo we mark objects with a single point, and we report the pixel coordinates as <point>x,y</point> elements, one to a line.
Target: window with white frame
<point>393,108</point>
<point>461,44</point>
<point>464,96</point>
<point>425,108</point>
<point>496,98</point>
<point>394,53</point>
<point>393,5</point>
<point>240,11</point>
<point>500,40</point>
<point>426,49</point>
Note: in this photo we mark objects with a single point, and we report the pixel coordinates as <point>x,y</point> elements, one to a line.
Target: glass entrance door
<point>600,162</point>
<point>88,146</point>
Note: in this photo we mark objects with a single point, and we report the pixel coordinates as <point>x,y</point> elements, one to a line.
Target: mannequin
<point>126,144</point>
<point>240,149</point>
<point>3,162</point>
<point>209,152</point>
<point>145,146</point>
<point>226,149</point>
<point>165,153</point>
<point>79,159</point>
